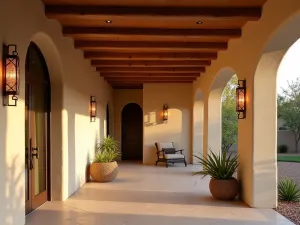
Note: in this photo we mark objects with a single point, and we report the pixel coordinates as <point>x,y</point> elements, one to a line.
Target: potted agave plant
<point>104,167</point>
<point>221,168</point>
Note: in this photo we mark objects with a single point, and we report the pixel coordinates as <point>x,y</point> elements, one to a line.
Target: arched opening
<point>37,127</point>
<point>215,109</point>
<point>265,117</point>
<point>132,132</point>
<point>198,115</point>
<point>107,121</point>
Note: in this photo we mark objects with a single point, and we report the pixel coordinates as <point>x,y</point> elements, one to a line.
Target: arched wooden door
<point>37,123</point>
<point>132,132</point>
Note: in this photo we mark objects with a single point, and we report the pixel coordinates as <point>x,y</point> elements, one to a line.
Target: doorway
<point>37,123</point>
<point>132,132</point>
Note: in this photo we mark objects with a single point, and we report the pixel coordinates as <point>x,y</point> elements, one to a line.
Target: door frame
<point>48,129</point>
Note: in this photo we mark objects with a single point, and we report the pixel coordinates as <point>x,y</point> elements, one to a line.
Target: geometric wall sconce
<point>10,75</point>
<point>93,108</point>
<point>241,99</point>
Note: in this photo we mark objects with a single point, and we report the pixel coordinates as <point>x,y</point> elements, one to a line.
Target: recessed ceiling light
<point>199,22</point>
<point>108,21</point>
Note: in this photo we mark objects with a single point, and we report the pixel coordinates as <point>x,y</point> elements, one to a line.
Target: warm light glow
<point>240,99</point>
<point>93,109</point>
<point>165,112</point>
<point>11,75</point>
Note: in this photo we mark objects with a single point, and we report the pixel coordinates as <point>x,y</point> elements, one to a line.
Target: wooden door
<point>132,132</point>
<point>37,111</point>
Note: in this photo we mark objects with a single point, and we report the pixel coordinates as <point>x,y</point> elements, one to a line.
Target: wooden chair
<point>167,153</point>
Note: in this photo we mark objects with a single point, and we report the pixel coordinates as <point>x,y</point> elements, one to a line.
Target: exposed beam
<point>127,86</point>
<point>150,56</point>
<point>249,13</point>
<point>99,32</point>
<point>152,69</point>
<point>149,81</point>
<point>132,74</point>
<point>139,45</point>
<point>141,79</point>
<point>150,63</point>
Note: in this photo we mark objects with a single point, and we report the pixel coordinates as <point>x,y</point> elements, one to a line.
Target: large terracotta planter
<point>104,172</point>
<point>224,189</point>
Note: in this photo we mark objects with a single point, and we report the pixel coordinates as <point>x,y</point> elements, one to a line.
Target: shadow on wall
<point>11,198</point>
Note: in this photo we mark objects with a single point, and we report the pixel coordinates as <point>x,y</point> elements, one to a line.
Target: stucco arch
<point>55,69</point>
<point>215,108</point>
<point>265,108</point>
<point>198,123</point>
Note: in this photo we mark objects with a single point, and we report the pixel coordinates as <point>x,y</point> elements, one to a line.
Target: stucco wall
<point>122,97</point>
<point>73,136</point>
<point>177,128</point>
<point>243,55</point>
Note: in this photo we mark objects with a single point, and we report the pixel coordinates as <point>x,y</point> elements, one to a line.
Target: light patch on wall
<point>151,119</point>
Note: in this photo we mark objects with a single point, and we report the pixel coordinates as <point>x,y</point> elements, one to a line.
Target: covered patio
<point>92,68</point>
<point>153,195</point>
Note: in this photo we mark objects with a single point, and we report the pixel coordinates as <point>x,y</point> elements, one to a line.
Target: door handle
<point>36,154</point>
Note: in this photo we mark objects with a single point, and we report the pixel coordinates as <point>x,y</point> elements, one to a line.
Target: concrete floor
<point>143,195</point>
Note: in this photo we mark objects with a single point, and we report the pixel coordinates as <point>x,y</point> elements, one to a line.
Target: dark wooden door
<point>37,111</point>
<point>132,132</point>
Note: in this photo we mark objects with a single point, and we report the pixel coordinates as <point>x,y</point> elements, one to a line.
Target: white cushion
<point>160,146</point>
<point>174,156</point>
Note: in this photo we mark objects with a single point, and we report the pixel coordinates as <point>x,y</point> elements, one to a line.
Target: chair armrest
<point>158,152</point>
<point>181,150</point>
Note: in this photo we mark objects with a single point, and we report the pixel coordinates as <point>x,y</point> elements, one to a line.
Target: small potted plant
<point>104,167</point>
<point>221,168</point>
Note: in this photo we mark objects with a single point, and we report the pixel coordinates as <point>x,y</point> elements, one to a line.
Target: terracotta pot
<point>224,189</point>
<point>104,172</point>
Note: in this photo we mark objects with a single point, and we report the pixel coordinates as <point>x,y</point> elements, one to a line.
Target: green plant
<point>219,166</point>
<point>288,190</point>
<point>107,150</point>
<point>282,148</point>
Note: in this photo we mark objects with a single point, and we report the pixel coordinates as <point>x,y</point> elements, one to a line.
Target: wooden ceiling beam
<point>133,74</point>
<point>131,45</point>
<point>152,69</point>
<point>148,81</point>
<point>98,32</point>
<point>137,79</point>
<point>151,63</point>
<point>249,13</point>
<point>150,56</point>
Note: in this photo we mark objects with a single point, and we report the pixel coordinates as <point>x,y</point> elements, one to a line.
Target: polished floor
<point>149,195</point>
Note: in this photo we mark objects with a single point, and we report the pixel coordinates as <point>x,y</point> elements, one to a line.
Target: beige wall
<point>122,97</point>
<point>72,134</point>
<point>257,160</point>
<point>177,128</point>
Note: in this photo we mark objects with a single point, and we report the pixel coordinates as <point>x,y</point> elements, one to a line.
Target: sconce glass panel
<point>165,112</point>
<point>241,99</point>
<point>93,109</point>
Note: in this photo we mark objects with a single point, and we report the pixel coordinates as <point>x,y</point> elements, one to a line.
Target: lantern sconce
<point>93,109</point>
<point>10,75</point>
<point>241,99</point>
<point>165,112</point>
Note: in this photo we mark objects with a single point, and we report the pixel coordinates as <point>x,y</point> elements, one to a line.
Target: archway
<point>265,112</point>
<point>132,132</point>
<point>215,109</point>
<point>198,115</point>
<point>37,126</point>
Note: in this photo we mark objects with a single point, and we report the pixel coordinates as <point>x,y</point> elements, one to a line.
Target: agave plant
<point>219,166</point>
<point>288,190</point>
<point>107,150</point>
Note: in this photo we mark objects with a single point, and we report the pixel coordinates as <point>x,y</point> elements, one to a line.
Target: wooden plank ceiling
<point>132,42</point>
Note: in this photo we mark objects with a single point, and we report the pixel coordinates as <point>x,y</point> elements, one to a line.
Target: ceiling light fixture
<point>199,22</point>
<point>108,21</point>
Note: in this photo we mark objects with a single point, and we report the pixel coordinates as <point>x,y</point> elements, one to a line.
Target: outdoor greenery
<point>107,150</point>
<point>220,166</point>
<point>288,190</point>
<point>288,158</point>
<point>229,116</point>
<point>282,149</point>
<point>289,109</point>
